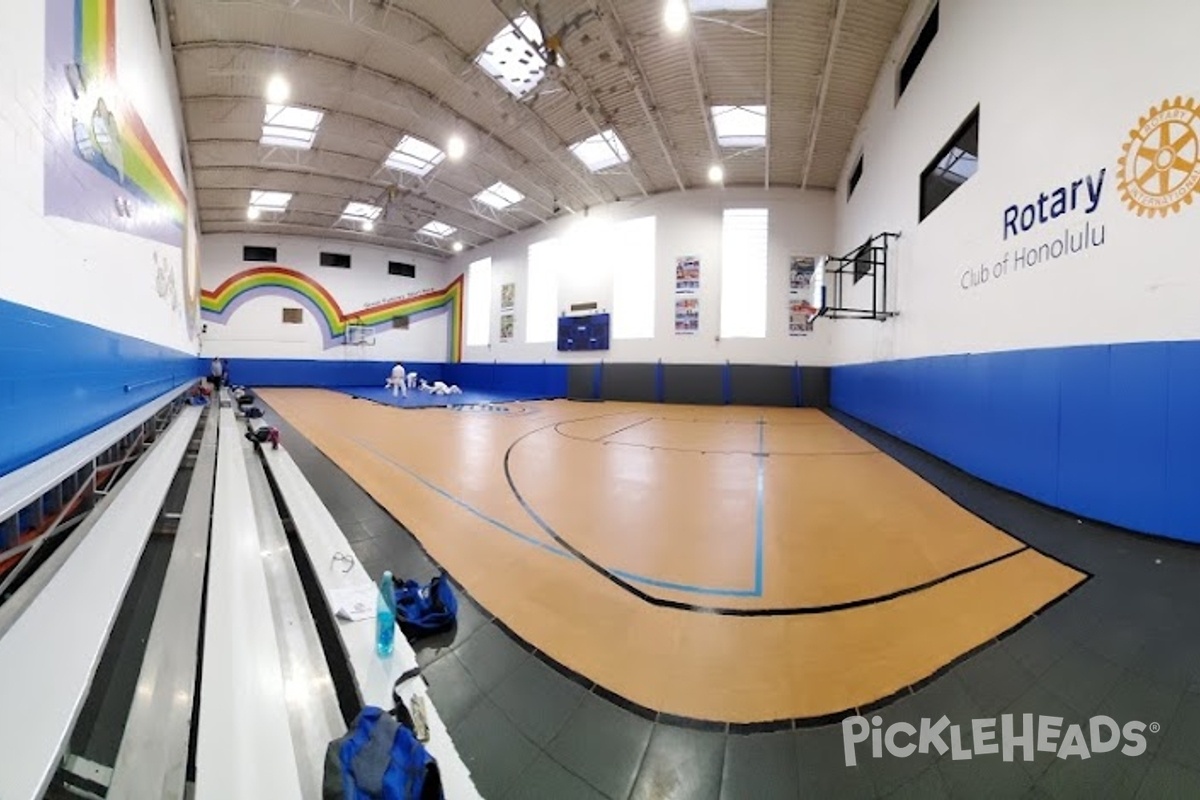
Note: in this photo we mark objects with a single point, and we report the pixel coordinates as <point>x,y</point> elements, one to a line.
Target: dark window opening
<point>957,161</point>
<point>339,260</point>
<point>855,177</point>
<point>400,323</point>
<point>254,253</point>
<point>402,269</point>
<point>909,67</point>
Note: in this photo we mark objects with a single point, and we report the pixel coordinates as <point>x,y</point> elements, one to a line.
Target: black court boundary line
<point>696,723</point>
<point>601,440</point>
<point>731,611</point>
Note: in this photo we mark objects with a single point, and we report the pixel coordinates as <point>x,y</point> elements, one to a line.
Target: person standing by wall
<point>216,372</point>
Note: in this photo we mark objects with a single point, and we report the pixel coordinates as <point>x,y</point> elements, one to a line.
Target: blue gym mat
<point>418,399</point>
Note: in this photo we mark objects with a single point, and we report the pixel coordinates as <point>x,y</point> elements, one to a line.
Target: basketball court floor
<point>659,594</point>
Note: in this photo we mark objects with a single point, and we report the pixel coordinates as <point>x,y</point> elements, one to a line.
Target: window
<point>740,126</point>
<point>253,253</point>
<point>290,126</point>
<point>293,316</point>
<point>509,59</point>
<point>541,305</point>
<point>479,302</point>
<point>744,273</point>
<point>275,202</point>
<point>361,212</point>
<point>709,6</point>
<point>400,323</point>
<point>402,269</point>
<point>415,156</point>
<point>855,177</point>
<point>339,260</point>
<point>632,259</point>
<point>954,165</point>
<point>439,229</point>
<point>915,53</point>
<point>499,196</point>
<point>601,151</point>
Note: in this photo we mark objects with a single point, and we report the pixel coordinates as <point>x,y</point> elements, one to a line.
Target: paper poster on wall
<point>506,327</point>
<point>687,315</point>
<point>800,316</point>
<point>508,296</point>
<point>800,275</point>
<point>687,274</point>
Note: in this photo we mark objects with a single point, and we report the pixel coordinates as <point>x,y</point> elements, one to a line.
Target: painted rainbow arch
<point>96,54</point>
<point>220,303</point>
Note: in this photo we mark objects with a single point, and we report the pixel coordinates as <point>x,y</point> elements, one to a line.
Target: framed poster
<point>687,315</point>
<point>506,327</point>
<point>800,274</point>
<point>687,275</point>
<point>508,296</point>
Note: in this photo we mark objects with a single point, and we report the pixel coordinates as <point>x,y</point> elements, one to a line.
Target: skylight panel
<point>361,211</point>
<point>415,156</point>
<point>740,126</point>
<point>709,6</point>
<point>438,229</point>
<point>290,126</point>
<point>499,196</point>
<point>269,201</point>
<point>509,59</point>
<point>601,151</point>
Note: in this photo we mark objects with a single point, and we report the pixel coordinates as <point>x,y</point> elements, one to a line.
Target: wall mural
<point>1157,174</point>
<point>102,165</point>
<point>219,304</point>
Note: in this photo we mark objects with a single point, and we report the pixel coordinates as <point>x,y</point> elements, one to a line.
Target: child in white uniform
<point>397,382</point>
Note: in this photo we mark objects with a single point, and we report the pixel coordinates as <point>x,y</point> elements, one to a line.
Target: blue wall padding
<point>1108,432</point>
<point>525,380</point>
<point>61,379</point>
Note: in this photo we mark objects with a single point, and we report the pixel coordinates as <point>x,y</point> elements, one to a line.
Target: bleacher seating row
<point>262,726</point>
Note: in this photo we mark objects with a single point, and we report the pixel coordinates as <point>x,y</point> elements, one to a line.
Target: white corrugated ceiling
<point>379,70</point>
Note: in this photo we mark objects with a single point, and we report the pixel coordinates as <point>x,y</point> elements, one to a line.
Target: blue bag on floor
<point>424,610</point>
<point>380,758</point>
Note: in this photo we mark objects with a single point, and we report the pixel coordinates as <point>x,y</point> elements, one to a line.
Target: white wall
<point>1060,87</point>
<point>256,330</point>
<point>104,271</point>
<point>801,223</point>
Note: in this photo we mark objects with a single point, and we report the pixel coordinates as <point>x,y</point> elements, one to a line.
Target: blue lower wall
<point>61,379</point>
<point>531,380</point>
<point>1108,432</point>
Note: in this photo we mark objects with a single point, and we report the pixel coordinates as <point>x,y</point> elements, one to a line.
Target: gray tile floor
<point>1126,644</point>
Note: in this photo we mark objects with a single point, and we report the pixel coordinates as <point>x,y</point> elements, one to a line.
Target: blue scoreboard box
<point>588,332</point>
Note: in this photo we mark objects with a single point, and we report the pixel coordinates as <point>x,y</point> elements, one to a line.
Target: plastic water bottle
<point>385,616</point>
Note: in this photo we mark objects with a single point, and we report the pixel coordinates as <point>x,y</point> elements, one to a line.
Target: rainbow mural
<point>105,132</point>
<point>220,303</point>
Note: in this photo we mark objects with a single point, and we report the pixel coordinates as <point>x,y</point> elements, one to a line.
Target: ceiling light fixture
<point>368,225</point>
<point>716,173</point>
<point>278,90</point>
<point>675,15</point>
<point>457,247</point>
<point>456,147</point>
<point>253,213</point>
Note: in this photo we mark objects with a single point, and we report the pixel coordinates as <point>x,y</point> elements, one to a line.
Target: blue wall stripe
<point>1107,432</point>
<point>61,379</point>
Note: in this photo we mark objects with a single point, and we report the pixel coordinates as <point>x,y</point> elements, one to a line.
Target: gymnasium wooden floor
<point>730,564</point>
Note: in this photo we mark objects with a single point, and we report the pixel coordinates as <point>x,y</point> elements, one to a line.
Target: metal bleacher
<point>186,611</point>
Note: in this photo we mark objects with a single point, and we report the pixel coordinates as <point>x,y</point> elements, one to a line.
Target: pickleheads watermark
<point>1026,736</point>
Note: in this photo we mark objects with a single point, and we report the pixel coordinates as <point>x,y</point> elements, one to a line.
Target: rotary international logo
<point>1159,170</point>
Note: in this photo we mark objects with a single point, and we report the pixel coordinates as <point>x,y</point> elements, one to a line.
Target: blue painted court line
<point>759,512</point>
<point>662,584</point>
